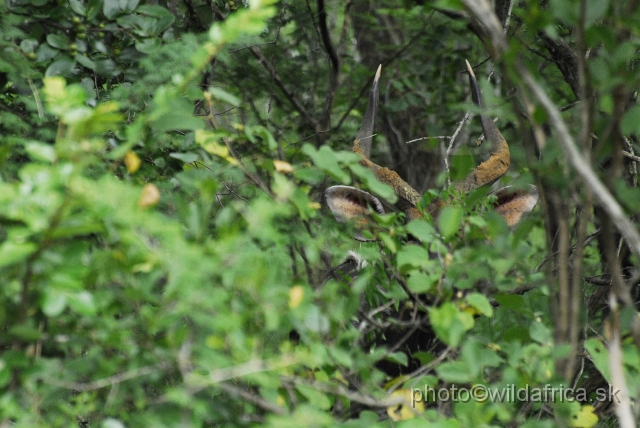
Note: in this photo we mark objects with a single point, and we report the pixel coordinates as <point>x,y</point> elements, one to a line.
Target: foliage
<point>166,259</point>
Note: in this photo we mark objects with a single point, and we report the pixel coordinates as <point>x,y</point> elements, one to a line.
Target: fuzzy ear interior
<point>514,204</point>
<point>348,203</point>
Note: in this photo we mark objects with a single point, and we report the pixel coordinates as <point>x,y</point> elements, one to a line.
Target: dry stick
<point>110,381</point>
<point>447,154</point>
<point>252,398</point>
<point>353,396</point>
<point>631,156</point>
<point>36,97</point>
<point>622,405</point>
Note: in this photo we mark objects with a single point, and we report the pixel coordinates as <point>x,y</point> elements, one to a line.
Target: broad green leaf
<point>14,252</point>
<point>449,323</point>
<point>449,221</point>
<point>111,8</point>
<point>106,67</point>
<point>510,301</point>
<point>380,189</point>
<point>41,152</point>
<point>412,256</point>
<point>399,358</point>
<point>455,372</point>
<point>82,303</point>
<point>60,67</point>
<point>327,160</point>
<point>58,41</point>
<point>222,95</point>
<point>45,53</point>
<point>420,282</point>
<point>540,333</point>
<point>421,230</point>
<point>185,157</point>
<point>148,45</point>
<point>54,302</point>
<point>600,357</point>
<point>84,61</point>
<point>630,123</point>
<point>78,7</point>
<point>481,303</point>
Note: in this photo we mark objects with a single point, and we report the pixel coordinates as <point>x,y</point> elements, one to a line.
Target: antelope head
<point>348,203</point>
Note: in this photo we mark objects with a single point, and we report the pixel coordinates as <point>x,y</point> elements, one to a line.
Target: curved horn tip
<point>378,72</point>
<point>470,69</point>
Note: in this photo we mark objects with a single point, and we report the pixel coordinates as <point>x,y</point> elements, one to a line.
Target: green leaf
<point>58,41</point>
<point>510,301</point>
<point>449,221</point>
<point>596,10</point>
<point>600,356</point>
<point>327,160</point>
<point>370,181</point>
<point>630,123</point>
<point>421,230</point>
<point>111,8</point>
<point>420,282</point>
<point>41,152</point>
<point>13,252</point>
<point>106,67</point>
<point>86,62</point>
<point>149,45</point>
<point>54,302</point>
<point>185,157</point>
<point>129,5</point>
<point>540,333</point>
<point>153,10</point>
<point>454,372</point>
<point>112,423</point>
<point>93,9</point>
<point>45,53</point>
<point>449,323</point>
<point>78,7</point>
<point>398,358</point>
<point>481,303</point>
<point>82,303</point>
<point>60,67</point>
<point>28,45</point>
<point>222,95</point>
<point>412,256</point>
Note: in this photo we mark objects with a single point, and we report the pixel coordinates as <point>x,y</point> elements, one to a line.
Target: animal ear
<point>513,204</point>
<point>350,204</point>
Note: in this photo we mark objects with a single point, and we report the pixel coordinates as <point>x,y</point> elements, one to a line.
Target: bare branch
<point>287,93</point>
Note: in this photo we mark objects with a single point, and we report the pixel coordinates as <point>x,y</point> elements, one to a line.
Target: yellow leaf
<point>209,142</point>
<point>407,410</point>
<point>132,162</point>
<point>150,196</point>
<point>282,166</point>
<point>585,418</point>
<point>315,205</point>
<point>296,293</point>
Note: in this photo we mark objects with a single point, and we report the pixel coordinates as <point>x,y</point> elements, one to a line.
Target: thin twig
<point>109,381</point>
<point>447,154</point>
